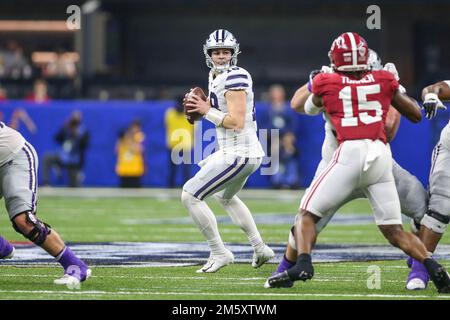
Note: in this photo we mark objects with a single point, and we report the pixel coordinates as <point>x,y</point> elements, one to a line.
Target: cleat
<point>441,280</point>
<point>73,280</point>
<point>287,284</point>
<point>279,280</point>
<point>10,255</point>
<point>215,263</point>
<point>67,280</point>
<point>284,265</point>
<point>262,256</point>
<point>416,284</point>
<point>438,275</point>
<point>418,276</point>
<point>303,270</point>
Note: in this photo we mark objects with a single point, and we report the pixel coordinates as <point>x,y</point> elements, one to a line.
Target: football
<point>192,117</point>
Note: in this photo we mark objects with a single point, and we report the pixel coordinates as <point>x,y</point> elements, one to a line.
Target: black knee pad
<point>39,232</point>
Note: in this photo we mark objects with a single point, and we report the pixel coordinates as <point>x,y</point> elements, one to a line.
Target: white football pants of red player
<point>357,164</point>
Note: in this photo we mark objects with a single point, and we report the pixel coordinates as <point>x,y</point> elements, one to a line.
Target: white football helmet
<point>374,60</point>
<point>221,39</point>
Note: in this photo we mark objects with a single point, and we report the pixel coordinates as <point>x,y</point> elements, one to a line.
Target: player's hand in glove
<point>324,69</point>
<point>430,104</point>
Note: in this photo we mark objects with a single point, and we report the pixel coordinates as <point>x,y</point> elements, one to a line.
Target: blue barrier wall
<point>411,148</point>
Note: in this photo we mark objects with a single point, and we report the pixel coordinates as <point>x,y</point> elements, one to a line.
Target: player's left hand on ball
<point>186,96</point>
<point>430,104</point>
<point>392,69</point>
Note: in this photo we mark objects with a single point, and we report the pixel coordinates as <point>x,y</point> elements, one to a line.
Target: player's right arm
<point>441,89</point>
<point>236,102</point>
<point>302,94</point>
<point>299,99</point>
<point>392,123</point>
<point>407,106</point>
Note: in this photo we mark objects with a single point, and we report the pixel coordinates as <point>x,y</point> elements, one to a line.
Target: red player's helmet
<point>349,52</point>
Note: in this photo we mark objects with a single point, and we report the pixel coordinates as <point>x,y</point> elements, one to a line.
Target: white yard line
<point>231,294</point>
<point>162,194</point>
<point>255,280</point>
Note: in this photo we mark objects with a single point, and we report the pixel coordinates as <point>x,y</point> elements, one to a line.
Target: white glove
<point>392,69</point>
<point>326,69</point>
<point>431,103</point>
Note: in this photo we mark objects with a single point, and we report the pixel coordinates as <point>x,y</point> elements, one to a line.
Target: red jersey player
<point>356,100</point>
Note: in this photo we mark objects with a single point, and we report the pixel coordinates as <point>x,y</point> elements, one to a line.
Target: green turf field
<point>117,220</point>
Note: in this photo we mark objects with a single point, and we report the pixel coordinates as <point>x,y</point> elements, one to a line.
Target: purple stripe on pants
<point>33,196</point>
<point>220,175</point>
<point>225,180</point>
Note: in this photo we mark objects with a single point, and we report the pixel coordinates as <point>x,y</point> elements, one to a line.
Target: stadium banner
<point>105,120</point>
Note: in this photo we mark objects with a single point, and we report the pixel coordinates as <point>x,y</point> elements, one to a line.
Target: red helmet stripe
<point>354,48</point>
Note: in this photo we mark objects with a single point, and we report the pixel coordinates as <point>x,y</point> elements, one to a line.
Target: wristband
<point>215,116</point>
<point>310,107</point>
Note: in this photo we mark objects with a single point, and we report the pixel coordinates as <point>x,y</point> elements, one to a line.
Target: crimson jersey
<point>357,107</point>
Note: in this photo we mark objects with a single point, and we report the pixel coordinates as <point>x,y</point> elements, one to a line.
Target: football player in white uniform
<point>437,216</point>
<point>230,107</point>
<point>18,185</point>
<point>413,197</point>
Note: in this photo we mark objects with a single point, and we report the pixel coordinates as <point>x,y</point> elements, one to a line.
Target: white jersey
<point>330,143</point>
<point>243,142</point>
<point>11,142</point>
<point>445,134</point>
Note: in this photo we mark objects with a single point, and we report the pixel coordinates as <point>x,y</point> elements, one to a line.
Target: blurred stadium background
<point>130,60</point>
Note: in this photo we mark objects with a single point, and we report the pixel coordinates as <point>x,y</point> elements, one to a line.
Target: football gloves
<point>324,69</point>
<point>430,104</point>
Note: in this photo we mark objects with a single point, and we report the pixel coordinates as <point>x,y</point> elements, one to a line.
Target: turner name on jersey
<point>242,142</point>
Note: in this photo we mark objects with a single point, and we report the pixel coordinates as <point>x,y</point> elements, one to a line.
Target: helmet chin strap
<point>220,68</point>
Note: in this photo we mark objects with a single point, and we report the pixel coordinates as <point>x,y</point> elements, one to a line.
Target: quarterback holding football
<point>230,107</point>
